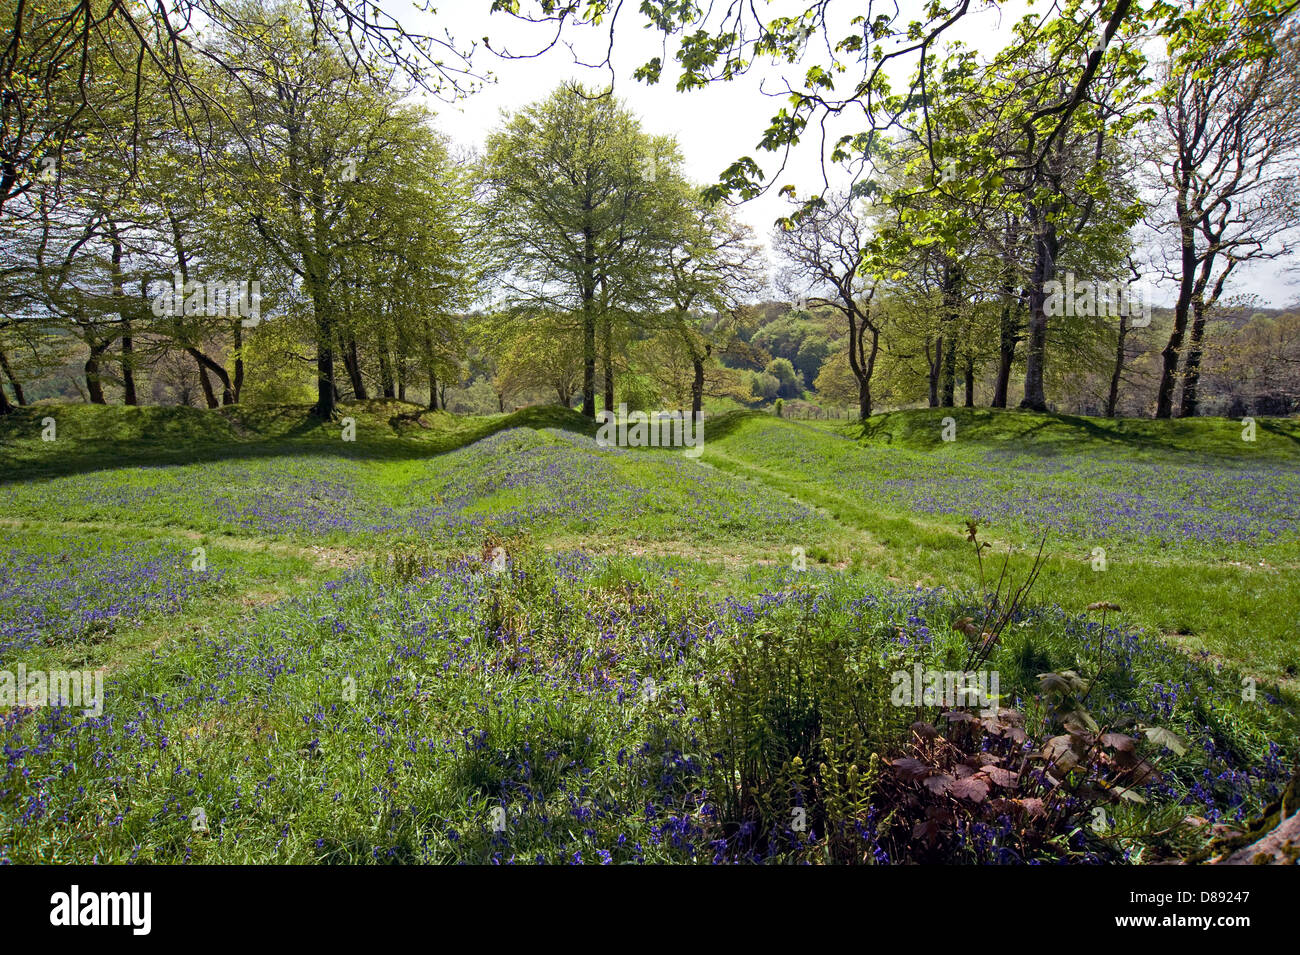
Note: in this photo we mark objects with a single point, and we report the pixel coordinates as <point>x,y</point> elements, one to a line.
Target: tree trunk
<point>970,381</point>
<point>1045,248</point>
<point>324,407</point>
<point>589,326</point>
<point>1192,367</point>
<point>862,365</point>
<point>864,386</point>
<point>431,369</point>
<point>237,385</point>
<point>124,313</point>
<point>325,404</point>
<point>948,377</point>
<point>588,363</point>
<point>385,367</point>
<point>206,364</point>
<point>607,362</point>
<point>128,366</point>
<point>951,287</point>
<point>352,366</point>
<point>1008,326</point>
<point>697,382</point>
<point>935,366</point>
<point>94,387</point>
<point>209,395</point>
<point>1186,289</point>
<point>183,266</point>
<point>1112,397</point>
<point>1008,337</point>
<point>9,373</point>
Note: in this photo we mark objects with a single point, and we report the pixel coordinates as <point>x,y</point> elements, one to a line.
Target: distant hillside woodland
<point>266,214</point>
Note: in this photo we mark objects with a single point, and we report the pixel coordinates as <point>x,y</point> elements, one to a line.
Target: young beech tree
<point>573,204</point>
<point>711,264</point>
<point>535,353</point>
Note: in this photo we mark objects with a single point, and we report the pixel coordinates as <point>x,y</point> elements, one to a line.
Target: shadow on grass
<point>158,437</point>
<point>726,424</point>
<point>1272,427</point>
<point>1048,435</point>
<point>92,438</point>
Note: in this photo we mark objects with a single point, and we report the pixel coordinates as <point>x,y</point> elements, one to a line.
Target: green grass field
<point>308,658</point>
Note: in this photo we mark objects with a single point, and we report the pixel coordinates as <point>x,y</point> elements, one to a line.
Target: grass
<point>92,437</point>
<point>651,680</point>
<point>1203,549</point>
<point>1048,435</point>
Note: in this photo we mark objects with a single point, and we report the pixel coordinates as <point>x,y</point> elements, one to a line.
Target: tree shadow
<point>1272,427</point>
<point>1007,432</point>
<point>183,436</point>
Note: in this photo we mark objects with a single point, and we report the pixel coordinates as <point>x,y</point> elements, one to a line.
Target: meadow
<point>311,656</point>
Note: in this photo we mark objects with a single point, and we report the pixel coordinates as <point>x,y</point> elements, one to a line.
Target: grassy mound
<point>97,436</point>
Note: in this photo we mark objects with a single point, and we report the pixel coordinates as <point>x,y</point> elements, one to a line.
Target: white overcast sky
<point>715,125</point>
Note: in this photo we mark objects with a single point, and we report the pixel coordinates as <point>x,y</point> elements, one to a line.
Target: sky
<point>714,126</point>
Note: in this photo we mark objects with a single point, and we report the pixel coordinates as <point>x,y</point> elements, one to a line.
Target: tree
<point>823,246</point>
<point>332,173</point>
<point>537,352</point>
<point>76,243</point>
<point>711,263</point>
<point>1062,155</point>
<point>789,384</point>
<point>573,206</point>
<point>1225,143</point>
<point>1257,364</point>
<point>718,43</point>
<point>835,382</point>
<point>45,100</point>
